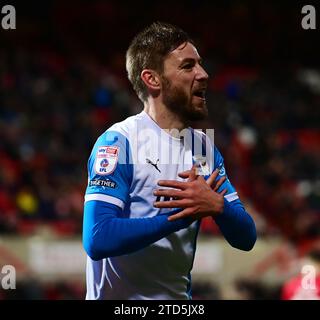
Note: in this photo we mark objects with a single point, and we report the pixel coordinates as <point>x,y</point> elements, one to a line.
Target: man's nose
<point>201,73</point>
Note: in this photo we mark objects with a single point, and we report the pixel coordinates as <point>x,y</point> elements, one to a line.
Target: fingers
<point>172,204</point>
<point>193,175</point>
<point>223,192</point>
<point>181,214</point>
<point>173,184</point>
<point>212,177</point>
<point>219,183</point>
<point>171,193</point>
<point>184,174</point>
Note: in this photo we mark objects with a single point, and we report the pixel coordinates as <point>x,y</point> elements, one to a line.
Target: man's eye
<point>187,66</point>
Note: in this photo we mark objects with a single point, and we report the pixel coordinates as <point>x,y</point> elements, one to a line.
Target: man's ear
<point>151,79</point>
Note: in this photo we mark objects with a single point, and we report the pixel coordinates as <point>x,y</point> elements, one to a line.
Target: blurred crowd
<point>62,85</point>
<point>266,123</point>
<point>52,112</point>
<point>57,99</point>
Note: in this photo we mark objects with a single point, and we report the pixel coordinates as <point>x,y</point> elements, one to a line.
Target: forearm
<point>237,226</point>
<point>107,235</point>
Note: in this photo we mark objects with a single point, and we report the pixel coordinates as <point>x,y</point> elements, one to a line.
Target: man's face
<point>184,83</point>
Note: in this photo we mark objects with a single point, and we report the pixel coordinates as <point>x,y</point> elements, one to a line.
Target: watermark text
<point>8,277</point>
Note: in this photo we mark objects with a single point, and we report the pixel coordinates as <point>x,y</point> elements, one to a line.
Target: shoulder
<point>122,128</point>
<point>112,150</point>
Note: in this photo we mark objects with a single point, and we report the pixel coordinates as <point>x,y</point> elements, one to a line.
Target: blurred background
<point>63,82</point>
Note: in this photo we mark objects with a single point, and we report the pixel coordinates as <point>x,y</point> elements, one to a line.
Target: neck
<point>165,118</point>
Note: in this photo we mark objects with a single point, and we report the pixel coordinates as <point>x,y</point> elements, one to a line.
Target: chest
<point>164,161</point>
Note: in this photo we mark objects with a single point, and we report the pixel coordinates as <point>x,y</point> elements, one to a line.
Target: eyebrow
<point>186,60</point>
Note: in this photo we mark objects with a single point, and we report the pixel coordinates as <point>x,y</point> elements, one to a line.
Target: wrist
<point>218,208</point>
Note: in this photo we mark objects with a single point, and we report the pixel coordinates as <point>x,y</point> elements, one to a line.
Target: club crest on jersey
<point>222,170</point>
<point>106,160</point>
<point>202,166</point>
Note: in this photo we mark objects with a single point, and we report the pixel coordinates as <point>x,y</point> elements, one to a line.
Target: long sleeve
<point>237,226</point>
<point>106,234</point>
<point>235,223</point>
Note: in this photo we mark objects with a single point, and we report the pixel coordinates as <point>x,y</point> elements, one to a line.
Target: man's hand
<point>198,197</point>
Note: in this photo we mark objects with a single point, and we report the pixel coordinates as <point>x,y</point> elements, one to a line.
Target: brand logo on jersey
<point>153,164</point>
<point>202,167</point>
<point>106,160</point>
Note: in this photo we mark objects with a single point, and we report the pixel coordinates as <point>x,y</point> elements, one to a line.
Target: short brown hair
<point>148,50</point>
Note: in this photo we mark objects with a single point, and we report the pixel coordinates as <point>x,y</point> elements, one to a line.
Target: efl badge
<point>202,167</point>
<point>106,160</point>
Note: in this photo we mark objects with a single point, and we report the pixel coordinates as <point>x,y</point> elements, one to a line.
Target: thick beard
<point>177,101</point>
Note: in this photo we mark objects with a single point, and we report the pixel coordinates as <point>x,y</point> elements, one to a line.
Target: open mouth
<point>200,93</point>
